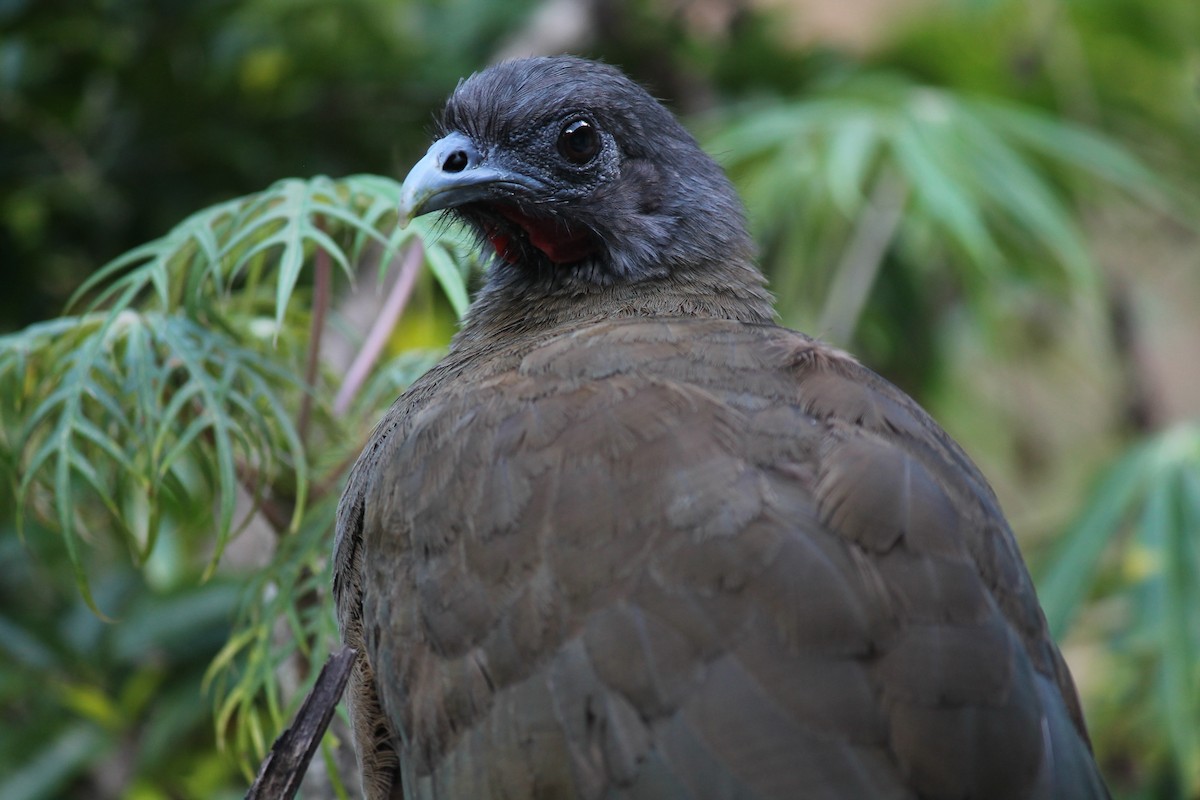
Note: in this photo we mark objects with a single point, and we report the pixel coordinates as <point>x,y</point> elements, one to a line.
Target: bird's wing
<point>696,559</point>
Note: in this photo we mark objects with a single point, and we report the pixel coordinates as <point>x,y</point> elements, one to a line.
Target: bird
<point>631,539</point>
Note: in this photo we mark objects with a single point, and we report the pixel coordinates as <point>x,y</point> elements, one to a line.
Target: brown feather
<point>631,541</point>
<point>741,571</point>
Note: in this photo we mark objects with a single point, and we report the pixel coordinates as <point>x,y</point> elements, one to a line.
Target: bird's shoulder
<point>591,487</point>
<point>654,398</point>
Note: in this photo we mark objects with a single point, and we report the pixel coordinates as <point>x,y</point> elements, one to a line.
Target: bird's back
<point>691,558</point>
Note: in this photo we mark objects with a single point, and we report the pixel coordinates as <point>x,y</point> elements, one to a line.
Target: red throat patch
<point>560,244</point>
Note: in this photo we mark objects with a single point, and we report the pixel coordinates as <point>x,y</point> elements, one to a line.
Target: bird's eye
<point>579,142</point>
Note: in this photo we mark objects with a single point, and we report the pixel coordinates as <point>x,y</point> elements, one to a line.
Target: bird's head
<point>573,173</point>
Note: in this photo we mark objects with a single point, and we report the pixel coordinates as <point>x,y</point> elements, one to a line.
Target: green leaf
<point>1071,571</point>
<point>986,181</point>
<point>920,154</point>
<point>53,769</point>
<point>852,153</point>
<point>1167,510</point>
<point>445,269</point>
<point>1070,144</point>
<point>216,400</point>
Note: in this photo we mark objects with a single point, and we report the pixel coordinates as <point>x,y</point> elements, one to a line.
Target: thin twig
<point>283,769</point>
<point>277,513</point>
<point>377,337</point>
<point>1142,414</point>
<point>859,266</point>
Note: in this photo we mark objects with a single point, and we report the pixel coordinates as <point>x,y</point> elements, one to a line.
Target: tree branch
<point>859,266</point>
<point>283,769</point>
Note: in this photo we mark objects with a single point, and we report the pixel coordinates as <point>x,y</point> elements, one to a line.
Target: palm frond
<point>161,386</point>
<point>986,185</point>
<point>1137,538</point>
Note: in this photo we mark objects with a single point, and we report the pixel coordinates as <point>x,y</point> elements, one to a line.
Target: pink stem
<point>377,337</point>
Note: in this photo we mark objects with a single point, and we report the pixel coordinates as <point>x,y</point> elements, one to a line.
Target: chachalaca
<point>630,539</point>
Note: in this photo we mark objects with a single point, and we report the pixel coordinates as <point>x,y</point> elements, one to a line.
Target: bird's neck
<point>507,308</point>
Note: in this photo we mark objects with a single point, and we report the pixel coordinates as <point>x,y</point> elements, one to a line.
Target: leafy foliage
<point>82,697</point>
<point>882,167</point>
<point>171,400</point>
<point>189,405</point>
<point>1142,521</point>
<point>245,675</point>
<point>145,404</point>
<point>120,119</point>
<point>166,385</point>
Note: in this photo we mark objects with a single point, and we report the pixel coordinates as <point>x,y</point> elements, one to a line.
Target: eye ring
<point>579,141</point>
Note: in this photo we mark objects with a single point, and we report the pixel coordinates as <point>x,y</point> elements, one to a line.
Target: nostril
<point>455,162</point>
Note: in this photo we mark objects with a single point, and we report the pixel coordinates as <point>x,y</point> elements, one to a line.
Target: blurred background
<point>991,202</point>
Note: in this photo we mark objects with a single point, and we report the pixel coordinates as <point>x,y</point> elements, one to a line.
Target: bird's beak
<point>452,173</point>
